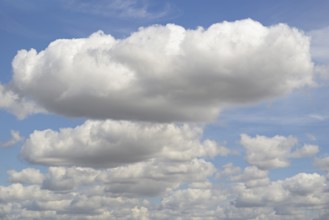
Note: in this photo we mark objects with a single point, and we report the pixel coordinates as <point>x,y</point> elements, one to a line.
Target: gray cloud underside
<point>16,104</point>
<point>176,170</point>
<point>115,143</point>
<point>86,193</point>
<point>165,73</point>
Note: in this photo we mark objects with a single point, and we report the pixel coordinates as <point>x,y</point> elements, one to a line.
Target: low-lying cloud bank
<point>168,183</point>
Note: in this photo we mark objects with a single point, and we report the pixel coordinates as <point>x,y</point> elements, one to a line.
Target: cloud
<point>27,176</point>
<point>150,178</point>
<point>66,179</point>
<point>320,51</point>
<point>273,152</point>
<point>73,192</point>
<point>154,177</point>
<point>303,184</point>
<point>193,201</point>
<point>291,198</point>
<point>16,104</point>
<point>124,9</point>
<point>114,143</point>
<point>319,44</point>
<point>32,202</point>
<point>15,138</point>
<point>140,213</point>
<point>323,163</point>
<point>165,73</point>
<point>154,167</point>
<point>252,177</point>
<point>300,190</point>
<point>181,188</point>
<point>322,70</point>
<point>306,151</point>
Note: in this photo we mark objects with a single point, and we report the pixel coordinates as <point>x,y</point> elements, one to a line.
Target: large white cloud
<point>165,73</point>
<point>115,143</point>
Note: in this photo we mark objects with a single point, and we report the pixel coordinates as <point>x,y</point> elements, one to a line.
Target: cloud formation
<point>303,189</point>
<point>138,161</point>
<point>15,138</point>
<point>133,9</point>
<point>115,143</point>
<point>27,176</point>
<point>16,104</point>
<point>274,152</point>
<point>127,192</point>
<point>165,73</point>
<point>319,44</point>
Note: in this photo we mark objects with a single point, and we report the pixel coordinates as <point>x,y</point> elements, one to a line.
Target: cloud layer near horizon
<point>165,73</point>
<point>164,188</point>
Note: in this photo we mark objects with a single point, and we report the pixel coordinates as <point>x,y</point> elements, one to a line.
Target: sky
<point>140,109</point>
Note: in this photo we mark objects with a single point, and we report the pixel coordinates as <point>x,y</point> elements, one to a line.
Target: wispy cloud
<point>318,117</point>
<point>320,44</point>
<point>15,138</point>
<point>118,8</point>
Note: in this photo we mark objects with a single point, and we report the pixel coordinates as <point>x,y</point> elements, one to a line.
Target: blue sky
<point>141,109</point>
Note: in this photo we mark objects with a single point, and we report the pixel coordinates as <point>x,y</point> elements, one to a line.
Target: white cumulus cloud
<point>165,73</point>
<point>115,143</point>
<point>274,152</point>
<point>26,176</point>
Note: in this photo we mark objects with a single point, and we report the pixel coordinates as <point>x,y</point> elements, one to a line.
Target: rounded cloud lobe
<point>165,73</point>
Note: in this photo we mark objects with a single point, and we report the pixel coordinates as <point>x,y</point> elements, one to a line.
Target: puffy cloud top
<point>165,73</point>
<point>274,152</point>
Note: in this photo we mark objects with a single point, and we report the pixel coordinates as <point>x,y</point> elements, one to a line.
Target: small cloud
<point>139,9</point>
<point>319,44</point>
<point>306,151</point>
<point>311,137</point>
<point>318,117</point>
<point>15,138</point>
<point>26,176</point>
<point>268,152</point>
<point>322,70</point>
<point>274,152</point>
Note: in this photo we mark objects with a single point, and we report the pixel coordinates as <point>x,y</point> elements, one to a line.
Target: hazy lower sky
<point>140,109</point>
